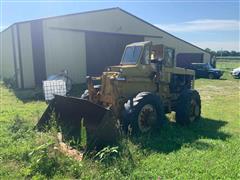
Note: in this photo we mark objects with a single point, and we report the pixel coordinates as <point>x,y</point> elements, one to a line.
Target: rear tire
<point>211,76</point>
<point>188,107</point>
<point>145,113</point>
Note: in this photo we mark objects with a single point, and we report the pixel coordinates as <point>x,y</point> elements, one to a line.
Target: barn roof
<point>108,9</point>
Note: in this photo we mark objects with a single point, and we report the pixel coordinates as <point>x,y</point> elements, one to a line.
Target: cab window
<point>131,55</point>
<point>146,56</point>
<point>169,57</point>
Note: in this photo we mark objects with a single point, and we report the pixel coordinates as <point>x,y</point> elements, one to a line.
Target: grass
<point>224,58</point>
<point>206,149</point>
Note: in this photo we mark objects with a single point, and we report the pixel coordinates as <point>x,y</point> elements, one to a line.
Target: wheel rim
<point>146,117</point>
<point>195,110</point>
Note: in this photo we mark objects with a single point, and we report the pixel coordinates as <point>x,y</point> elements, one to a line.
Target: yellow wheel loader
<point>132,97</point>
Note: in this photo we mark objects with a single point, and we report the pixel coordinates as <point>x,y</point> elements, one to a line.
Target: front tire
<point>144,114</point>
<point>238,76</point>
<point>188,107</point>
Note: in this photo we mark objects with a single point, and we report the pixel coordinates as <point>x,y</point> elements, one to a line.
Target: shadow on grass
<point>223,79</point>
<point>36,94</point>
<point>172,136</point>
<point>28,95</point>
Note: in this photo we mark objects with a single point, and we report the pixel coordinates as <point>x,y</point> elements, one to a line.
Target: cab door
<point>145,63</point>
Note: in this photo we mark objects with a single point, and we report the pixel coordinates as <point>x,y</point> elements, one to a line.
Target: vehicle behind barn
<point>205,70</point>
<point>132,96</point>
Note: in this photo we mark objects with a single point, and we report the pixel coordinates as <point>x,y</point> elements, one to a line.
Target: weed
<point>43,161</point>
<point>107,154</point>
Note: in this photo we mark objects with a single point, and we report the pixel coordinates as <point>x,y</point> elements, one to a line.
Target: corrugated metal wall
<point>7,59</point>
<point>26,55</point>
<point>17,55</point>
<point>110,20</point>
<point>65,50</point>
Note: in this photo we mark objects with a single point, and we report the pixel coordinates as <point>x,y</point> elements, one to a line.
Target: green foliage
<point>19,127</point>
<point>43,161</point>
<point>223,52</point>
<point>107,154</point>
<point>207,149</point>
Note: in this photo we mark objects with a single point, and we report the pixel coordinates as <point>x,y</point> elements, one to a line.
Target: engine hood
<point>130,70</point>
<point>121,67</point>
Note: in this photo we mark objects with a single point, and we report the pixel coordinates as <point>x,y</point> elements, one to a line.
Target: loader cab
<point>144,53</point>
<point>136,53</point>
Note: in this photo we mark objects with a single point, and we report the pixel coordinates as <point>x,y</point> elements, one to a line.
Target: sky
<point>210,24</point>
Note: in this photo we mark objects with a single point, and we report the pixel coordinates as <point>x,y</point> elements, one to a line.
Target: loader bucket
<point>101,126</point>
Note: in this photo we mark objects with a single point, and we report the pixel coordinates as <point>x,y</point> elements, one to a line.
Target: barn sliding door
<point>185,59</point>
<point>103,49</point>
<point>38,52</point>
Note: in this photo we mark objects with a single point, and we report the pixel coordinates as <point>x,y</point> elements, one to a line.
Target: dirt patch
<point>68,150</point>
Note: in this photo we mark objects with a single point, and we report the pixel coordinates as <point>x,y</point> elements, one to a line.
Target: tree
<point>213,53</point>
<point>222,52</point>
